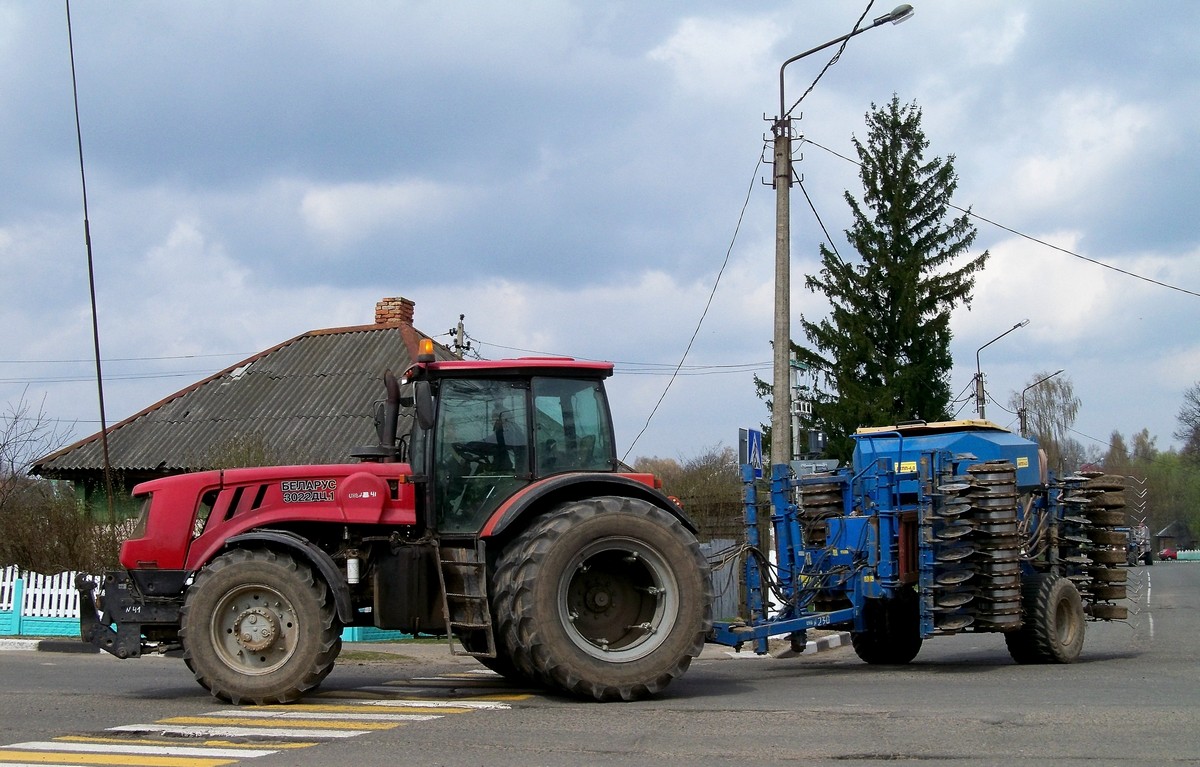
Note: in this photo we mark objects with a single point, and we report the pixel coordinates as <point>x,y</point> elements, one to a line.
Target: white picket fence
<point>43,596</point>
<point>8,586</point>
<point>49,606</point>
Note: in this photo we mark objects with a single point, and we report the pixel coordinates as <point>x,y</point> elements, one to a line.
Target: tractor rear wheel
<point>502,664</point>
<point>1053,622</point>
<point>892,634</point>
<point>258,627</point>
<point>605,598</point>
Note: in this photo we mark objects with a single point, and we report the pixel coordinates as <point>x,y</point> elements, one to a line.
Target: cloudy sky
<point>570,176</point>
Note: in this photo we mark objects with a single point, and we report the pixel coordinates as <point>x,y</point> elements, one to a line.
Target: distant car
<point>1166,554</point>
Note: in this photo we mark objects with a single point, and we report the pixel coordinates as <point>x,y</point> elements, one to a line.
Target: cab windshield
<point>496,436</point>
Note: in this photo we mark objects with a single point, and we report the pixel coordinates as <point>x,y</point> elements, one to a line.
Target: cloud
<point>345,214</point>
<point>994,44</point>
<point>713,59</point>
<point>569,177</point>
<point>1080,142</point>
<point>1023,279</point>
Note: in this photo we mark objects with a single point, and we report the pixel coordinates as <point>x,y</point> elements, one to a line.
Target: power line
<point>997,404</point>
<point>832,61</point>
<point>729,251</point>
<point>107,377</point>
<point>123,359</point>
<point>644,368</point>
<point>817,215</point>
<point>1061,249</point>
<point>625,367</point>
<point>1031,238</point>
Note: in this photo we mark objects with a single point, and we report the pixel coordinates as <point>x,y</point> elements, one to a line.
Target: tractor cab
<point>486,429</point>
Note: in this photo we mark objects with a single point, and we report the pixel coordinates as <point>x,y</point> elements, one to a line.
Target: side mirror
<point>407,397</point>
<point>423,402</point>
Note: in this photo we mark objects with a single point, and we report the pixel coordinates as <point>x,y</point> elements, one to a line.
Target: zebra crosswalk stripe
<point>121,748</point>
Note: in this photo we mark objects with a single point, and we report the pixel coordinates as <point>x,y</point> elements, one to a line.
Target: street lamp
<point>781,129</point>
<point>1022,412</point>
<point>979,394</point>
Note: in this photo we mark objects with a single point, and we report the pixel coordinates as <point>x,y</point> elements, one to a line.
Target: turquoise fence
<point>32,604</point>
<point>35,605</point>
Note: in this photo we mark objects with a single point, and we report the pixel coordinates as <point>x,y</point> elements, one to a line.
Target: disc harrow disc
<point>1107,612</point>
<point>1108,556</point>
<point>956,622</point>
<point>958,553</point>
<point>1109,574</point>
<point>1107,592</point>
<point>1105,482</point>
<point>1107,518</point>
<point>953,531</point>
<point>953,488</point>
<point>953,577</point>
<point>953,600</point>
<point>1109,500</point>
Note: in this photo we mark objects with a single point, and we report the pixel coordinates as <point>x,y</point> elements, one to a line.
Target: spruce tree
<point>883,353</point>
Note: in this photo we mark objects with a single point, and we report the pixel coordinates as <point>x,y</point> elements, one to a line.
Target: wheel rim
<point>1064,623</point>
<point>618,599</point>
<point>254,629</point>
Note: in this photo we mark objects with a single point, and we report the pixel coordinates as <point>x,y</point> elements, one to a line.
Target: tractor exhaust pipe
<point>391,412</point>
<point>387,413</point>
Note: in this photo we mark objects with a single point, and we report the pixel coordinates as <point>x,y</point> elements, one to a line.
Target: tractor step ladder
<point>462,571</point>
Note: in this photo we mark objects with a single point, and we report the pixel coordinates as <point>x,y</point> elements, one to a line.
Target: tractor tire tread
<point>1045,599</point>
<point>295,681</point>
<point>523,634</point>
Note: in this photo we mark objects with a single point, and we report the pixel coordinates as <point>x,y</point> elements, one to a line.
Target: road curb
<point>781,648</point>
<point>820,644</point>
<point>49,645</point>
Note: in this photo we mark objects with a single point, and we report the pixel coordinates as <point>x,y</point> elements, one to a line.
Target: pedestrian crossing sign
<point>750,450</point>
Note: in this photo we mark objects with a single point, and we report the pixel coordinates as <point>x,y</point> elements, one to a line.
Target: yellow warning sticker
<point>1022,462</point>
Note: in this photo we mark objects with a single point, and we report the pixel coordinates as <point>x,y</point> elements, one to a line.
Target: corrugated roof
<point>310,399</point>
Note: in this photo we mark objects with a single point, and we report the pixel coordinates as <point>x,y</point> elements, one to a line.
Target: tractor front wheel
<point>605,598</point>
<point>258,627</point>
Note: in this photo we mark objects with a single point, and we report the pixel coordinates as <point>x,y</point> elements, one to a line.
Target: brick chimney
<point>394,311</point>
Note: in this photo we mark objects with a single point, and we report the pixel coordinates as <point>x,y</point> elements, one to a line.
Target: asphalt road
<point>1133,698</point>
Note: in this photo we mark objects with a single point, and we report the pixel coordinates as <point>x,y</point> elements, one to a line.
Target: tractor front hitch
<point>122,621</point>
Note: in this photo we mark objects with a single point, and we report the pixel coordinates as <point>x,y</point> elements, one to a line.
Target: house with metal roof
<point>308,400</point>
<point>1174,536</point>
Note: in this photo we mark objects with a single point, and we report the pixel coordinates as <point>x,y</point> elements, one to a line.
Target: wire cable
<point>1029,237</point>
<point>707,305</point>
<point>832,60</point>
<point>817,216</point>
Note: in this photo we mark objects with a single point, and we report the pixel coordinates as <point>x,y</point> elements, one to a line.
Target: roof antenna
<point>87,238</point>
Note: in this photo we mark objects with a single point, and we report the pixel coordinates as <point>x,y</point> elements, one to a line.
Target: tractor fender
<point>307,550</point>
<point>563,488</point>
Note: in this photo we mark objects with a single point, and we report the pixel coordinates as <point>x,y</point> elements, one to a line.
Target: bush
<point>43,527</point>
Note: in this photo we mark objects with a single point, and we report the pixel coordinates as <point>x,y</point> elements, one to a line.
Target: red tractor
<point>501,518</point>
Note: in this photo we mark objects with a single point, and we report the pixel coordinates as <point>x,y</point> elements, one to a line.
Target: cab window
<point>481,451</point>
<point>573,430</point>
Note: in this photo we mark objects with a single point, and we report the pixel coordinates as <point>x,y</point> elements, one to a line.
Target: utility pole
<point>1023,412</point>
<point>781,402</point>
<point>782,179</point>
<point>980,394</point>
<point>460,346</point>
